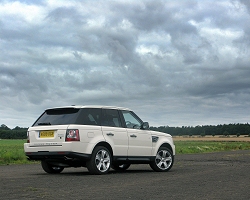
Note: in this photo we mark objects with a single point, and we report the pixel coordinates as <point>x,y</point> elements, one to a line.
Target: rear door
<point>114,133</point>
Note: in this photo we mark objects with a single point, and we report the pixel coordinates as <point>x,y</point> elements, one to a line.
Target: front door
<point>140,141</point>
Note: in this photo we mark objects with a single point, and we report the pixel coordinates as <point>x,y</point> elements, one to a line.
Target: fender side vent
<point>155,138</point>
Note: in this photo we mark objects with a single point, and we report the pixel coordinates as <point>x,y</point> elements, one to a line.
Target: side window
<point>110,117</point>
<point>90,116</point>
<point>130,120</point>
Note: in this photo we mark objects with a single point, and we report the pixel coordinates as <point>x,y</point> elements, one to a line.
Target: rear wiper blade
<point>44,123</point>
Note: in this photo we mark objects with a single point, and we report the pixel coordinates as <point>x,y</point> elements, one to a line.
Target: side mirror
<point>145,126</point>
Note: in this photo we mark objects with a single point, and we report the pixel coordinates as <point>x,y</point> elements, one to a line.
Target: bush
<point>226,134</point>
<point>13,134</point>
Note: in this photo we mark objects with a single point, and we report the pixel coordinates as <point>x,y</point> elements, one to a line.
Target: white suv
<point>96,137</point>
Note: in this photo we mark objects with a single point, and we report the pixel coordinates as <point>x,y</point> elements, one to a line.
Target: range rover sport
<point>96,137</point>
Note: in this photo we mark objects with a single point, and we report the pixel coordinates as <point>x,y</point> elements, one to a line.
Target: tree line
<point>15,133</point>
<point>225,129</point>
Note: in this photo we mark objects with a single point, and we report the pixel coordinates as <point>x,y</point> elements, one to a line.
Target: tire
<point>51,169</point>
<point>100,161</point>
<point>121,167</point>
<point>163,161</point>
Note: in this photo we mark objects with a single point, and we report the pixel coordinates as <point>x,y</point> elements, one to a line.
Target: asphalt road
<point>224,175</point>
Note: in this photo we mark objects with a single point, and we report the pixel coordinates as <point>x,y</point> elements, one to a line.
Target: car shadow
<point>86,173</point>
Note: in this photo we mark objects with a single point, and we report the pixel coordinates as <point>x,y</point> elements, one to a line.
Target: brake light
<point>72,135</point>
<point>28,137</point>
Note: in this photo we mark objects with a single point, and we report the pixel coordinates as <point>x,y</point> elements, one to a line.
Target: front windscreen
<point>59,116</point>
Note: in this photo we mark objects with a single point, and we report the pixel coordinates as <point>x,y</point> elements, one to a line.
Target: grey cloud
<point>119,44</point>
<point>109,53</point>
<point>66,15</point>
<point>23,81</point>
<point>246,3</point>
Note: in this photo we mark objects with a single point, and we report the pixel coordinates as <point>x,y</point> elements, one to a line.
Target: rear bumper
<point>57,155</point>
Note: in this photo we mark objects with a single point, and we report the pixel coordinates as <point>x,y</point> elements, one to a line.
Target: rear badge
<point>60,135</point>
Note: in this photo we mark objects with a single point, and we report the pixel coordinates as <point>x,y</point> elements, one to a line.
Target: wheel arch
<point>104,144</point>
<point>167,145</point>
<point>164,144</point>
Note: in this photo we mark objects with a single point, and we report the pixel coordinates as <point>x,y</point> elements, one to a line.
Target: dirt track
<point>222,175</point>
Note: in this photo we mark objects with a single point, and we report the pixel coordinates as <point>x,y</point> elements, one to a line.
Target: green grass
<point>12,152</point>
<point>186,147</point>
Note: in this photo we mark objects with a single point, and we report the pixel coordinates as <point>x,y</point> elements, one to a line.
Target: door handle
<point>133,136</point>
<point>110,134</point>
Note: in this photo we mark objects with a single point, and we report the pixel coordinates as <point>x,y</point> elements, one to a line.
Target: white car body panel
<point>117,138</point>
<point>140,142</point>
<point>163,138</point>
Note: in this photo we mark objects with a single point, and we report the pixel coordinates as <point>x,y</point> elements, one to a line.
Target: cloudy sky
<point>175,63</point>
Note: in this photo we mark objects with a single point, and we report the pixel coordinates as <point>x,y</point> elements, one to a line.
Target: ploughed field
<point>243,138</point>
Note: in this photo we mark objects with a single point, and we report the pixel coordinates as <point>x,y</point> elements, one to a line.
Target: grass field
<point>197,144</point>
<point>218,138</point>
<point>185,147</point>
<point>11,151</point>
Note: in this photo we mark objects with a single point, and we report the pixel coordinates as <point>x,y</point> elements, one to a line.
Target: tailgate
<point>47,135</point>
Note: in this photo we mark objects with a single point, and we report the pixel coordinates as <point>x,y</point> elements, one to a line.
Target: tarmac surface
<point>222,175</point>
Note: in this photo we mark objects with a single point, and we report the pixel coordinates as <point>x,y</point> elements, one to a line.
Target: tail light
<point>28,137</point>
<point>72,135</point>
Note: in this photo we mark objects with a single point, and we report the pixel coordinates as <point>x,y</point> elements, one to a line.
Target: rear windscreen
<point>65,116</point>
<point>58,117</point>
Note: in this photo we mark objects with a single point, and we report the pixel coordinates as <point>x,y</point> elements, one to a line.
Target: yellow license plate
<point>46,134</point>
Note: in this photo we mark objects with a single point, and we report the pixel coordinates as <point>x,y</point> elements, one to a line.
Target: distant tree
<point>238,134</point>
<point>17,128</point>
<point>203,134</point>
<point>225,133</point>
<point>4,127</point>
<point>228,129</point>
<point>16,133</point>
